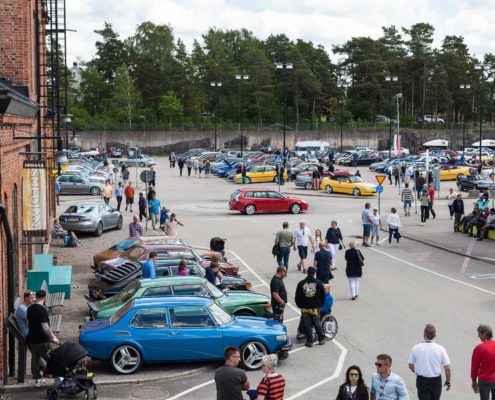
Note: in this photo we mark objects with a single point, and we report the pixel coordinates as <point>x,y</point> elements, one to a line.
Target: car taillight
<point>84,219</point>
<point>249,285</point>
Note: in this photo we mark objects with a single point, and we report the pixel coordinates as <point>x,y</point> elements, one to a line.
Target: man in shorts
<point>367,221</point>
<point>407,198</point>
<point>129,196</point>
<point>303,237</point>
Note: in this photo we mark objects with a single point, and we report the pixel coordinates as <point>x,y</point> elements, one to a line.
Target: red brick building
<point>24,132</point>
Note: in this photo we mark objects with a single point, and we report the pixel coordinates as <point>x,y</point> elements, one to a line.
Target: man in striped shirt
<point>407,198</point>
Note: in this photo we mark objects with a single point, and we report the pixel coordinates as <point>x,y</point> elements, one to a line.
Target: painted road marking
<point>469,250</point>
<point>434,273</point>
<point>482,276</point>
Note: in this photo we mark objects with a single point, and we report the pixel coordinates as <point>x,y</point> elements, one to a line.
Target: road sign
<point>278,159</point>
<point>379,189</point>
<point>380,178</point>
<point>146,176</point>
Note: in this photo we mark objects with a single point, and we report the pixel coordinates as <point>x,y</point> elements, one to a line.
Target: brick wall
<point>18,64</point>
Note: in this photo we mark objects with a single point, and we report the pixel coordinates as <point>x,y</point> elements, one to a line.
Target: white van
<point>310,147</point>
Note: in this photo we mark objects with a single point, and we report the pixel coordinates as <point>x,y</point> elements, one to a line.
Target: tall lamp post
<point>481,67</point>
<point>143,119</point>
<point>390,79</point>
<point>285,66</point>
<point>241,78</point>
<point>464,86</point>
<point>398,96</point>
<point>215,85</point>
<point>342,85</point>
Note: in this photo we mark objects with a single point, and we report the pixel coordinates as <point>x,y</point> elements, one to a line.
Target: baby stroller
<point>218,244</point>
<point>67,364</point>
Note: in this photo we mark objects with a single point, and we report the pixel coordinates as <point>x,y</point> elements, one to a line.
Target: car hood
<point>105,255</point>
<point>258,324</point>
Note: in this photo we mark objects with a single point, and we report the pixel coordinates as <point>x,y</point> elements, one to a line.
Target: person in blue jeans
<point>154,209</point>
<point>285,240</point>
<point>367,222</point>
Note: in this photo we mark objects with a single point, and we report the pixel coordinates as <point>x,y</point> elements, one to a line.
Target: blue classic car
<point>177,329</point>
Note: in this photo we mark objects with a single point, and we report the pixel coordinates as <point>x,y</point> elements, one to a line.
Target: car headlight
<point>281,338</point>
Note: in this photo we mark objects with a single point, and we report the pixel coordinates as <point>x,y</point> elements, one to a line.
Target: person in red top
<point>431,198</point>
<point>272,385</point>
<point>483,364</point>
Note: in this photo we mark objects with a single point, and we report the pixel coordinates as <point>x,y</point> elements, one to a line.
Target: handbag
<point>276,250</point>
<point>360,259</point>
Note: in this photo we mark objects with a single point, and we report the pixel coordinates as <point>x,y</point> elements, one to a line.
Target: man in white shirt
<point>303,238</point>
<point>426,360</point>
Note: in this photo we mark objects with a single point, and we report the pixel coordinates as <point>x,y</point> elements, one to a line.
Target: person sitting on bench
<point>70,238</point>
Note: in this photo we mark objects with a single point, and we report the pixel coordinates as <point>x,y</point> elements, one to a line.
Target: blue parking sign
<point>379,189</point>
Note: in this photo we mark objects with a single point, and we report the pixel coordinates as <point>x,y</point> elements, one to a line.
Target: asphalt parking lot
<point>402,289</point>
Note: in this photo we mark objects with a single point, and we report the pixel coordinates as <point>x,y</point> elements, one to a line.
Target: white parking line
<point>434,273</point>
<point>190,390</point>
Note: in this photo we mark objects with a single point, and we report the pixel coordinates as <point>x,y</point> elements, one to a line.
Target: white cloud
<point>320,21</point>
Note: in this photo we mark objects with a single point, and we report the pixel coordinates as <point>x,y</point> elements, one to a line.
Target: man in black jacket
<point>310,295</point>
<point>458,208</point>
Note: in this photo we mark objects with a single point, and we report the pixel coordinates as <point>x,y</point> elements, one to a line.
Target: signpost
<point>379,189</point>
<point>146,177</point>
<point>278,163</point>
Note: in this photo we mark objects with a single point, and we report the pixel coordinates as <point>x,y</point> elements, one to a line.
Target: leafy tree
<point>110,53</point>
<point>127,98</point>
<point>171,107</point>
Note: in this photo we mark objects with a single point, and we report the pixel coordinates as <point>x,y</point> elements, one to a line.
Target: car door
<point>194,335</point>
<point>276,202</point>
<point>75,185</point>
<point>340,184</point>
<point>261,200</point>
<point>269,174</point>
<point>64,182</point>
<point>151,330</point>
<point>257,174</point>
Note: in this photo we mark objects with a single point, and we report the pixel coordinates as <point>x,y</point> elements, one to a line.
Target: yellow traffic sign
<point>380,178</point>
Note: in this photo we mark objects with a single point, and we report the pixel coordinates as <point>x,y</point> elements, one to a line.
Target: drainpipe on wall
<point>10,283</point>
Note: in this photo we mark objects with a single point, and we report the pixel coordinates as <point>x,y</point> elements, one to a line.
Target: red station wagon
<point>250,201</point>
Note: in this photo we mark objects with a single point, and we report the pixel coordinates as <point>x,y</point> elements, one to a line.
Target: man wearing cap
<point>40,335</point>
<point>310,295</point>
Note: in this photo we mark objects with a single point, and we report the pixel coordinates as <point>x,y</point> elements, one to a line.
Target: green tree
<point>127,98</point>
<point>171,108</point>
<point>110,53</point>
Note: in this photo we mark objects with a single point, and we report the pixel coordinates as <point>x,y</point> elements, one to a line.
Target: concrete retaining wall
<point>166,141</point>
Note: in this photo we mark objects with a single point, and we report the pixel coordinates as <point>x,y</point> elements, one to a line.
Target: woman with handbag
<point>334,242</point>
<point>393,222</point>
<point>354,269</point>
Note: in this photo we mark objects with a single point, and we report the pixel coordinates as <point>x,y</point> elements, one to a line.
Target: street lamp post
<point>285,66</point>
<point>241,78</point>
<point>215,108</point>
<point>398,96</point>
<point>390,79</point>
<point>464,86</point>
<point>142,118</point>
<point>481,67</point>
<point>343,86</point>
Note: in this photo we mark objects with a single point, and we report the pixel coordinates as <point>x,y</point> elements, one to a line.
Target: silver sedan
<point>79,184</point>
<point>90,216</point>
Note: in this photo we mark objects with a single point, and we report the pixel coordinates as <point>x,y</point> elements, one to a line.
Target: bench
<point>53,299</point>
<point>491,232</point>
<point>55,322</point>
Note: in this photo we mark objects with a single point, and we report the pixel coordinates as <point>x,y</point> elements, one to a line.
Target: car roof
<point>150,282</point>
<point>88,203</point>
<point>256,190</point>
<point>171,301</point>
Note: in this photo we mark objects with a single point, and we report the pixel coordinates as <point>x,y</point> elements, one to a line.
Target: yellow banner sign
<point>34,215</point>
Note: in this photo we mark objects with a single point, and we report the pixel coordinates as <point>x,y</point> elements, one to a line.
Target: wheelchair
<point>329,326</point>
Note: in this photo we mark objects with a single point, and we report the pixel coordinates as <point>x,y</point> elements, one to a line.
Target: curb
<point>438,246</point>
<point>26,388</point>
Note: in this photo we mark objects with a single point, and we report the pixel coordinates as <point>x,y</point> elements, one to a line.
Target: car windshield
<point>481,177</point>
<point>127,293</point>
<point>80,209</point>
<point>177,255</point>
<point>221,316</point>
<point>119,314</point>
<point>124,244</point>
<point>215,292</point>
<point>355,179</point>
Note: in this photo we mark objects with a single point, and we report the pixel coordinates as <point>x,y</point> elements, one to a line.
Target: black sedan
<point>476,182</point>
<point>111,283</point>
<point>363,159</point>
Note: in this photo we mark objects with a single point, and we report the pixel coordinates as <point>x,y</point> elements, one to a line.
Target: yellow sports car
<point>260,173</point>
<point>452,172</point>
<point>349,184</point>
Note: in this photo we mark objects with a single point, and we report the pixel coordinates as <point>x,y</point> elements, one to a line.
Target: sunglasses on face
<point>353,375</point>
<point>379,365</point>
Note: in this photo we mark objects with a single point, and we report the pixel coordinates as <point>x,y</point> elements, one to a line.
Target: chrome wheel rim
<point>126,359</point>
<point>252,354</point>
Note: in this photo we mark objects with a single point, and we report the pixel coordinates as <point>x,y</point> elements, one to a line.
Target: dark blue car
<point>178,329</point>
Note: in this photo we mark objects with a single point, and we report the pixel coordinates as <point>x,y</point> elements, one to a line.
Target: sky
<point>325,22</point>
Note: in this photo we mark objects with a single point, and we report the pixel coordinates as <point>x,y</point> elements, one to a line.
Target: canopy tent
<point>484,143</point>
<point>437,143</point>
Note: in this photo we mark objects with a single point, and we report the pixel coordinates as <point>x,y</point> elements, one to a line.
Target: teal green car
<point>240,303</point>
